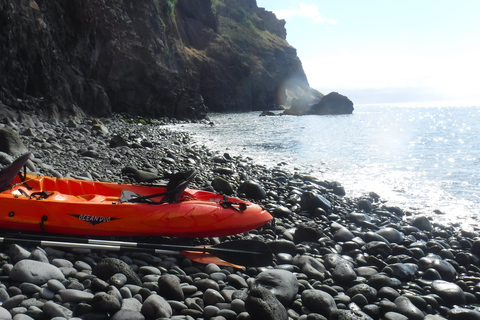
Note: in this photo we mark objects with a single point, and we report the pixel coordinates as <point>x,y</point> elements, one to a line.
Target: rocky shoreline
<point>334,257</point>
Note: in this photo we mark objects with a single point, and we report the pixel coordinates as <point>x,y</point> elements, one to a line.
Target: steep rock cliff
<point>175,58</point>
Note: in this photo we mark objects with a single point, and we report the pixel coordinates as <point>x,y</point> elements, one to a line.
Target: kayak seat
<point>130,196</point>
<point>9,173</point>
<point>177,183</point>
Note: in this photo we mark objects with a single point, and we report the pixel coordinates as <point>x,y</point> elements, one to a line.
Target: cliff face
<point>172,58</point>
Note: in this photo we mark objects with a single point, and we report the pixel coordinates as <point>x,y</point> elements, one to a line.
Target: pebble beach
<point>334,257</point>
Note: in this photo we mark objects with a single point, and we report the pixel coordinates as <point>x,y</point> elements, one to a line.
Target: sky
<point>387,51</point>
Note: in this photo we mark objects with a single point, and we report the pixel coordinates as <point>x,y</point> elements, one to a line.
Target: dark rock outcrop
<point>173,58</point>
<point>333,103</point>
<point>330,104</point>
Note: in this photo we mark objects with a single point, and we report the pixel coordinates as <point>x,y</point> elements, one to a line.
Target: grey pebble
<point>52,310</point>
<point>35,272</point>
<point>126,314</point>
<point>212,297</point>
<point>261,304</point>
<point>103,302</point>
<point>156,306</point>
<point>318,301</point>
<point>72,295</point>
<point>283,284</point>
<point>170,288</point>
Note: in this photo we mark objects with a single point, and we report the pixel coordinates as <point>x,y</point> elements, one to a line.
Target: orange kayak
<point>80,207</point>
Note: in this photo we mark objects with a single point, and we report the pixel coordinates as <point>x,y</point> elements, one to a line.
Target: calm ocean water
<point>421,158</point>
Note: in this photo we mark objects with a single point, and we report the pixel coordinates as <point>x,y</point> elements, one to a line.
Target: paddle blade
<point>249,253</point>
<point>206,258</point>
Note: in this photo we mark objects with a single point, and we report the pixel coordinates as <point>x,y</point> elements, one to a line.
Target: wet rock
<point>343,234</point>
<point>283,284</point>
<point>407,308</point>
<point>391,315</point>
<point>343,273</point>
<point>444,268</point>
<point>282,246</point>
<point>252,190</point>
<point>382,280</point>
<point>450,292</point>
<point>35,272</point>
<point>422,223</point>
<point>369,292</point>
<point>365,205</point>
<point>463,314</point>
<point>378,247</point>
<point>311,201</point>
<point>391,234</point>
<point>401,271</point>
<point>281,212</point>
<point>358,218</point>
<point>318,301</point>
<point>261,304</point>
<point>310,266</point>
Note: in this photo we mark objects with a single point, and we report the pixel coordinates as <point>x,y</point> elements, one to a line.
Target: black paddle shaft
<point>249,253</point>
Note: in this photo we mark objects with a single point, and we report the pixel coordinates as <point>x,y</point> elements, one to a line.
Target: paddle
<point>249,253</point>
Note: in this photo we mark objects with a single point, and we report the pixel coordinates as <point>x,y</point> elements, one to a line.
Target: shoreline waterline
<point>399,157</point>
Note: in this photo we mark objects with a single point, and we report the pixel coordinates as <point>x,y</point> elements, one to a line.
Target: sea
<point>423,158</point>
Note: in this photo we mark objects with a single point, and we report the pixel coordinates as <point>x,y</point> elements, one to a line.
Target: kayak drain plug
<point>11,214</point>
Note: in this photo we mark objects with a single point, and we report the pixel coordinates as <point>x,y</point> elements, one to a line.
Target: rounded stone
<point>450,292</point>
<point>170,288</point>
<point>391,234</point>
<point>318,301</point>
<point>261,304</point>
<point>252,190</point>
<point>125,314</point>
<point>282,283</point>
<point>422,223</point>
<point>109,266</point>
<point>155,307</point>
<point>35,272</point>
<point>407,308</point>
<point>104,302</point>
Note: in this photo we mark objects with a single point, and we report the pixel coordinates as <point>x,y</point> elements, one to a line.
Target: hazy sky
<point>386,51</point>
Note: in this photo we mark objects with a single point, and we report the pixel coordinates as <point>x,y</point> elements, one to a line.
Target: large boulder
<point>332,103</point>
<point>11,143</point>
